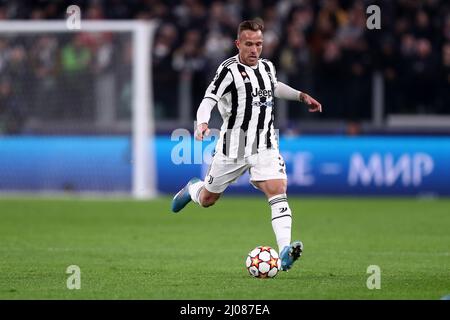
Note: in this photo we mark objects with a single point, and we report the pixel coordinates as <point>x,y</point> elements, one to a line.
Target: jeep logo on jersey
<point>262,93</point>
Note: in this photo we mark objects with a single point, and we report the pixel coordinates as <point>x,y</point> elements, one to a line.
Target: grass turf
<point>139,250</point>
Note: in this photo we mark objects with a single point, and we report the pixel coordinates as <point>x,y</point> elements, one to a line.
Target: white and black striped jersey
<point>245,99</point>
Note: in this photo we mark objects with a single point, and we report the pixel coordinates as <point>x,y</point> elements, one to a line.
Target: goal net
<point>76,107</point>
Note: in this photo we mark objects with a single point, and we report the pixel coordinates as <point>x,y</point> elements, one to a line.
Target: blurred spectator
<point>330,86</point>
<point>422,27</point>
<point>443,94</point>
<point>164,46</point>
<point>323,31</point>
<point>75,62</point>
<point>123,73</point>
<point>44,63</point>
<point>191,14</point>
<point>356,57</point>
<point>423,77</point>
<point>389,67</point>
<point>301,20</point>
<point>219,40</point>
<point>252,9</point>
<point>191,62</point>
<point>12,108</point>
<point>296,61</point>
<point>446,28</point>
<point>272,33</point>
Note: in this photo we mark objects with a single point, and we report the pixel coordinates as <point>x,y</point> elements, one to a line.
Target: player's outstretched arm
<point>284,91</point>
<point>203,115</point>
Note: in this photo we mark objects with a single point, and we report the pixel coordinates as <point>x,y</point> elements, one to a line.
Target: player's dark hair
<point>253,25</point>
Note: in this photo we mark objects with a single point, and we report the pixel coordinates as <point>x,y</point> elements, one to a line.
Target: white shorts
<point>265,165</point>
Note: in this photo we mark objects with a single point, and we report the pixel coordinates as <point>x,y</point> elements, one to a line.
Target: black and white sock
<point>281,220</point>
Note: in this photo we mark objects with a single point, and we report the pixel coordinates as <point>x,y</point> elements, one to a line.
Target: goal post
<point>144,171</point>
<point>143,162</point>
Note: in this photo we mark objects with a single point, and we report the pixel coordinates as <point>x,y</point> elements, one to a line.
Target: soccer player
<point>243,89</point>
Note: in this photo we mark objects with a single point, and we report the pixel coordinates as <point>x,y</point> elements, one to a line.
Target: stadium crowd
<point>321,47</point>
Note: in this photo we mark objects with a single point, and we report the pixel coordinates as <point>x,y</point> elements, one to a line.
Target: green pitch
<point>139,250</point>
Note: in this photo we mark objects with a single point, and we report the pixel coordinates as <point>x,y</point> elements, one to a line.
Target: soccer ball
<point>263,262</point>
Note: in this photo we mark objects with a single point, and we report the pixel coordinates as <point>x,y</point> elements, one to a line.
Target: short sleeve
<point>219,84</point>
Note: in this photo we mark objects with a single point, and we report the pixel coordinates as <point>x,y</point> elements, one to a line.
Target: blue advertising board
<point>316,165</point>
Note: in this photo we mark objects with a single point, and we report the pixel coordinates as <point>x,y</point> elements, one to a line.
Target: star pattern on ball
<point>256,261</point>
<point>273,262</point>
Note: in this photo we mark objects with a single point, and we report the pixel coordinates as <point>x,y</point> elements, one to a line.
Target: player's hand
<point>313,104</point>
<point>202,131</point>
